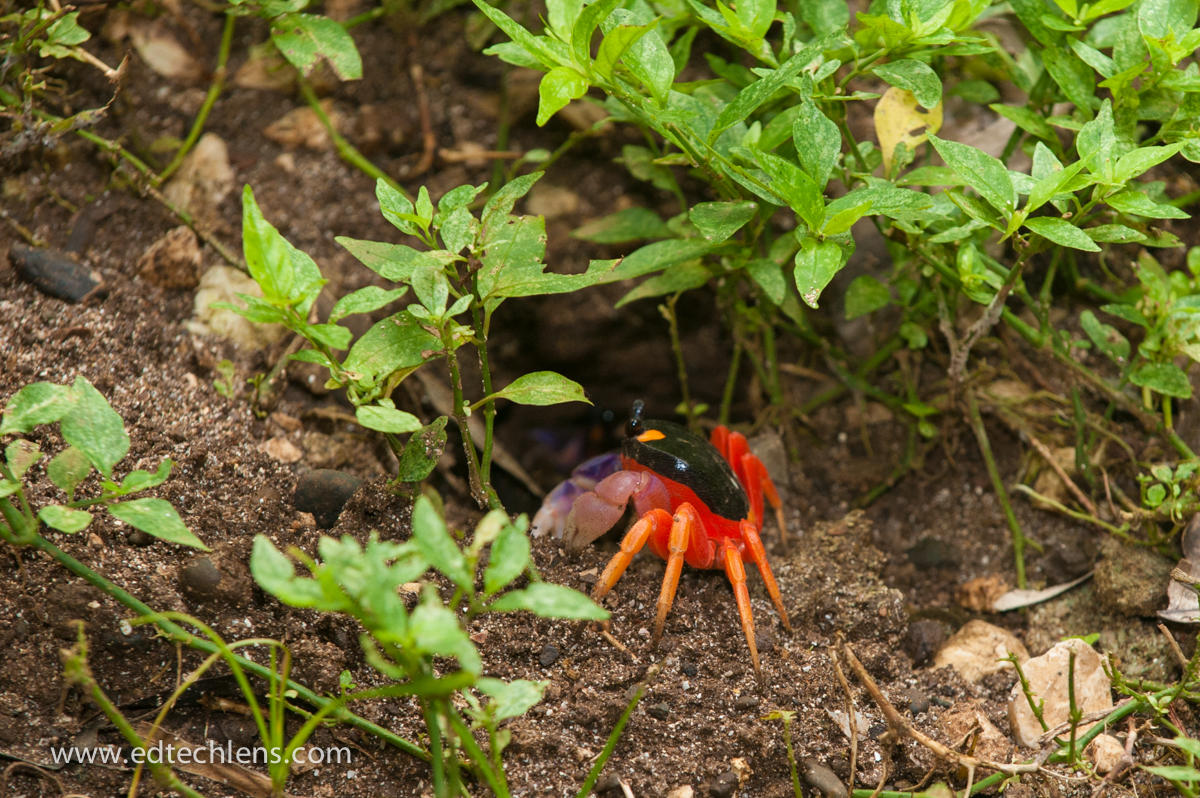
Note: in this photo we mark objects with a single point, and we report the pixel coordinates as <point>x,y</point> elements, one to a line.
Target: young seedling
<point>96,441</point>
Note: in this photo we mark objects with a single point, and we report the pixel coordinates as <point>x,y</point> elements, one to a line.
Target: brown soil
<point>867,576</point>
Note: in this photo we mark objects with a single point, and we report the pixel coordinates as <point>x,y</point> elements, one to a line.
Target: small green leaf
<point>286,275</point>
<point>630,224</point>
<point>392,344</point>
<point>672,280</point>
<point>1061,232</point>
<point>1136,203</point>
<point>509,559</point>
<point>140,480</point>
<point>866,295</point>
<point>364,300</point>
<point>422,452</point>
<point>67,469</point>
<point>304,39</point>
<point>1106,338</point>
<point>64,519</point>
<point>1137,162</point>
<point>914,76</point>
<point>434,542</point>
<point>750,98</point>
<point>158,518</point>
<point>987,175</point>
<point>550,601</point>
<point>1181,773</point>
<point>386,419</point>
<point>816,264</point>
<point>558,87</point>
<point>1165,378</point>
<point>511,699</point>
<point>717,221</point>
<point>818,142</point>
<point>35,404</point>
<point>436,630</point>
<point>93,427</point>
<point>20,456</point>
<point>274,573</point>
<point>769,276</point>
<point>541,388</point>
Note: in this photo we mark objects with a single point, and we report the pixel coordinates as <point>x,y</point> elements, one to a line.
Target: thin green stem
<point>735,364</point>
<point>668,311</point>
<point>214,91</point>
<point>985,448</point>
<point>458,413</point>
<point>611,744</point>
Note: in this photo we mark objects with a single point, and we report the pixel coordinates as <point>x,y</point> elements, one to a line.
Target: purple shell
<point>552,517</point>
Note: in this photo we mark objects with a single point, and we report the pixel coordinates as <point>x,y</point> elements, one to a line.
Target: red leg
<point>758,556</point>
<point>753,475</point>
<point>736,571</point>
<point>631,544</point>
<point>685,526</point>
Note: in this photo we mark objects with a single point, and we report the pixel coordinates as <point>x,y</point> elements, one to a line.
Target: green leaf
<point>509,558</point>
<point>630,224</point>
<point>1073,76</point>
<point>816,264</point>
<point>1096,143</point>
<point>769,276</point>
<point>141,480</point>
<point>422,452</point>
<point>365,300</point>
<point>64,519</point>
<point>987,175</point>
<point>392,344</point>
<point>1165,378</point>
<point>540,48</point>
<point>439,549</point>
<point>550,601</point>
<point>750,98</point>
<point>395,262</point>
<point>274,573</point>
<point>1137,162</point>
<point>432,290</point>
<point>674,279</point>
<point>914,76</point>
<point>1050,185</point>
<point>304,39</point>
<point>1115,234</point>
<point>1105,337</point>
<point>1174,772</point>
<point>659,255</point>
<point>20,456</point>
<point>286,275</point>
<point>386,419</point>
<point>1138,204</point>
<point>540,388</point>
<point>647,56</point>
<point>8,487</point>
<point>93,427</point>
<point>614,46</point>
<point>1061,232</point>
<point>435,630</point>
<point>866,295</point>
<point>500,204</point>
<point>717,221</point>
<point>818,142</point>
<point>158,518</point>
<point>558,87</point>
<point>35,404</point>
<point>67,469</point>
<point>1032,123</point>
<point>511,699</point>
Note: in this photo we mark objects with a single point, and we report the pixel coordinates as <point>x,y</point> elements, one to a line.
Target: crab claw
<point>598,510</point>
<point>551,518</point>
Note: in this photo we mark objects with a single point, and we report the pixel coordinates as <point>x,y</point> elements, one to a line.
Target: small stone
<point>1048,681</point>
<point>925,636</point>
<point>549,655</point>
<point>688,668</point>
<point>746,701</point>
<point>283,450</point>
<point>1106,753</point>
<point>980,594</point>
<point>1131,580</point>
<point>54,273</point>
<point>724,785</point>
<point>200,578</point>
<point>223,284</point>
<point>301,127</point>
<point>823,779</point>
<point>978,650</point>
<point>661,710</point>
<point>324,492</point>
<point>204,180</point>
<point>682,791</point>
<point>918,702</point>
<point>172,261</point>
<point>967,718</point>
<point>137,537</point>
<point>158,47</point>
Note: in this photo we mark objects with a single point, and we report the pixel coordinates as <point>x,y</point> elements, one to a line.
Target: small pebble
<point>826,782</point>
<point>746,701</point>
<point>688,668</point>
<point>549,655</point>
<point>924,638</point>
<point>324,492</point>
<point>200,578</point>
<point>661,710</point>
<point>137,537</point>
<point>918,702</point>
<point>53,272</point>
<point>724,785</point>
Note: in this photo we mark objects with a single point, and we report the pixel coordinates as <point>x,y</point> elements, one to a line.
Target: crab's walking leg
<point>685,526</point>
<point>736,571</point>
<point>758,555</point>
<point>631,544</point>
<point>753,475</point>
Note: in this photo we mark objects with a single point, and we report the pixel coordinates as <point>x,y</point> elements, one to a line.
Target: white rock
<point>978,649</point>
<point>1047,676</point>
<point>204,179</point>
<point>963,719</point>
<point>1106,753</point>
<point>223,284</point>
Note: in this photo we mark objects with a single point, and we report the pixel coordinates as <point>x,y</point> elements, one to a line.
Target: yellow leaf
<point>898,119</point>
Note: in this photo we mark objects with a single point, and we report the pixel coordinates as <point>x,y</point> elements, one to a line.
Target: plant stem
<point>460,418</point>
<point>668,311</point>
<point>481,323</point>
<point>611,744</point>
<point>214,91</point>
<point>347,151</point>
<point>985,448</point>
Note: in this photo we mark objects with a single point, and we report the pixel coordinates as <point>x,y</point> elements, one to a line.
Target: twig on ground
<point>851,720</point>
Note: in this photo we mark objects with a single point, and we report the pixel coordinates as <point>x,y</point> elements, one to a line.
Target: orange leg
<point>736,571</point>
<point>631,544</point>
<point>753,475</point>
<point>758,556</point>
<point>684,527</point>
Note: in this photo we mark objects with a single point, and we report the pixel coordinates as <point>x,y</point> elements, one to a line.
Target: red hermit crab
<point>697,501</point>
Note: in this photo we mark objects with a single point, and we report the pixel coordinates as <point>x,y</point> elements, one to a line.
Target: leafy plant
<point>470,265</point>
<point>405,643</point>
<point>96,440</point>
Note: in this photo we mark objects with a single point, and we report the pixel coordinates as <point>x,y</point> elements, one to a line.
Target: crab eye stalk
<point>636,425</point>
